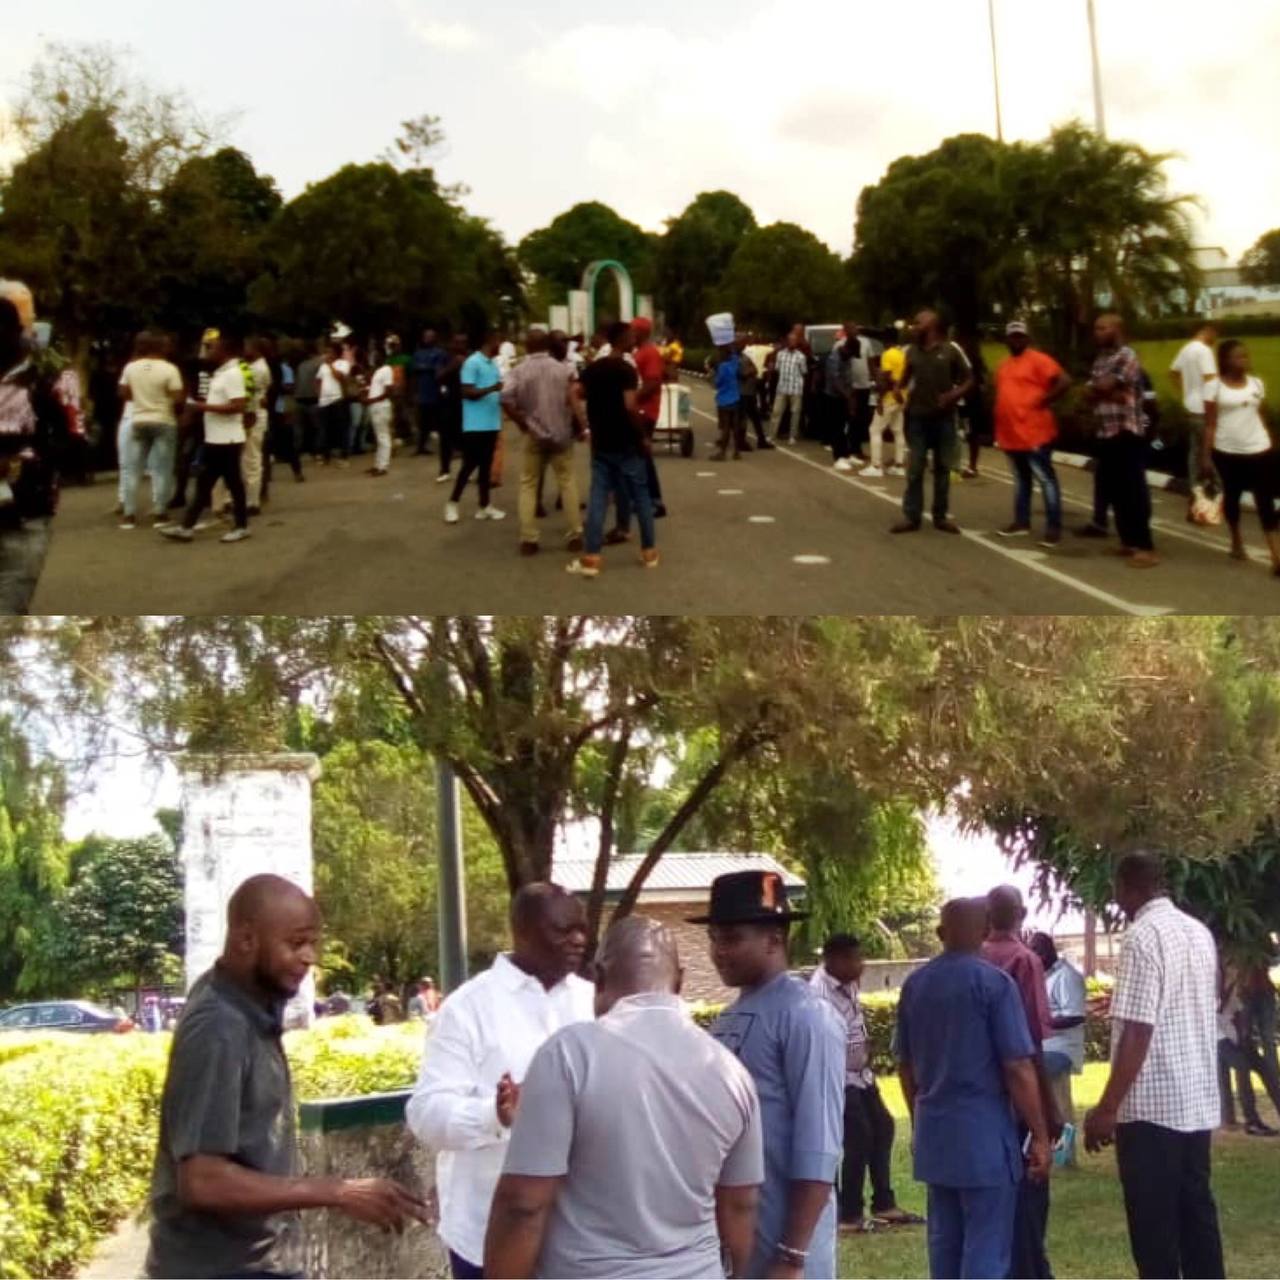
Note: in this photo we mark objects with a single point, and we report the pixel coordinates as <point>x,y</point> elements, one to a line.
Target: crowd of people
<point>593,1129</point>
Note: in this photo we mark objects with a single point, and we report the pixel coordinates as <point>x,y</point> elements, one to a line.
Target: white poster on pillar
<point>241,817</point>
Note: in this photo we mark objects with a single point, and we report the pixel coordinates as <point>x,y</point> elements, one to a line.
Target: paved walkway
<point>121,1256</point>
<point>777,532</point>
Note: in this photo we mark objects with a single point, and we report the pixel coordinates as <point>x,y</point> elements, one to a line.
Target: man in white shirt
<point>1193,368</point>
<point>477,1054</point>
<point>1068,1005</point>
<point>506,357</point>
<point>335,414</point>
<point>224,435</point>
<point>638,1148</point>
<point>1161,1102</point>
<point>381,415</point>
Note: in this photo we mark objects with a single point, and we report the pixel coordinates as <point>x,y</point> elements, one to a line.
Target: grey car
<point>63,1015</point>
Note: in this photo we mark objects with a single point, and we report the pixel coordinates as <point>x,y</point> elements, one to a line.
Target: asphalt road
<point>777,532</point>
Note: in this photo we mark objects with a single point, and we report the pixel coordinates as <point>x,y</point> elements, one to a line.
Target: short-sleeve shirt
<point>793,1044</point>
<point>484,414</point>
<point>428,364</point>
<point>1114,416</point>
<point>1240,428</point>
<point>894,363</point>
<point>1024,967</point>
<point>226,385</point>
<point>1198,369</point>
<point>382,383</point>
<point>793,368</point>
<point>960,1020</point>
<point>1022,382</point>
<point>605,383</point>
<point>728,393</point>
<point>931,372</point>
<point>330,388</point>
<point>1068,998</point>
<point>1167,979</point>
<point>227,1093</point>
<point>152,385</point>
<point>644,1115</point>
<point>261,390</point>
<point>652,368</point>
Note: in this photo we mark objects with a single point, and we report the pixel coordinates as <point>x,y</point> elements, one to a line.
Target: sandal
<point>861,1227</point>
<point>899,1218</point>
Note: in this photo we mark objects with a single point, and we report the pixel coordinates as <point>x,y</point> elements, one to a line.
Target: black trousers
<point>450,427</point>
<point>750,411</point>
<point>1253,473</point>
<point>1028,1259</point>
<point>478,448</point>
<point>430,418</point>
<point>862,414</point>
<point>835,426</point>
<point>219,462</point>
<point>335,429</point>
<point>868,1147</point>
<point>190,434</point>
<point>1123,460</point>
<point>1173,1221</point>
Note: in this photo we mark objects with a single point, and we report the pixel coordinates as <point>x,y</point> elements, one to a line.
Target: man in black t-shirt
<point>607,392</point>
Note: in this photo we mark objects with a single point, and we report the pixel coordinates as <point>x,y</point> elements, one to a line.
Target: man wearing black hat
<point>793,1045</point>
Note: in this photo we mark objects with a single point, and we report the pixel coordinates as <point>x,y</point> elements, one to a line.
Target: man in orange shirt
<point>1027,384</point>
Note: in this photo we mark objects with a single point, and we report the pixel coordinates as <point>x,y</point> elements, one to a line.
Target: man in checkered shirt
<point>1161,1102</point>
<point>792,366</point>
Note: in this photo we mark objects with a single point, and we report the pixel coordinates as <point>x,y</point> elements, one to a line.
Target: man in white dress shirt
<point>477,1054</point>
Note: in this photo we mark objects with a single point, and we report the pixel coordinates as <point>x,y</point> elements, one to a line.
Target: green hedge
<point>79,1117</point>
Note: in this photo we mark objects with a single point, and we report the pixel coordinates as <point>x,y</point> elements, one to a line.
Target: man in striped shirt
<point>792,366</point>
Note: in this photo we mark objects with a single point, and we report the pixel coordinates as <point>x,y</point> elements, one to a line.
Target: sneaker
<point>584,566</point>
<point>129,522</point>
<point>969,473</point>
<point>444,477</point>
<point>528,548</point>
<point>1256,1129</point>
<point>160,522</point>
<point>1052,538</point>
<point>206,522</point>
<point>872,473</point>
<point>178,533</point>
<point>236,535</point>
<point>946,526</point>
<point>490,513</point>
<point>650,558</point>
<point>843,465</point>
<point>1015,530</point>
<point>574,543</point>
<point>451,513</point>
<point>896,471</point>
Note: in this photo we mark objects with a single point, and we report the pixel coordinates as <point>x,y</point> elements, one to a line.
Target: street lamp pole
<point>995,67</point>
<point>1099,119</point>
<point>452,891</point>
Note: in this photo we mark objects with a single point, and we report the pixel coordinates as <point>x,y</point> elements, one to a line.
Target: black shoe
<point>765,445</point>
<point>906,526</point>
<point>1259,1130</point>
<point>946,526</point>
<point>541,512</point>
<point>659,511</point>
<point>1091,530</point>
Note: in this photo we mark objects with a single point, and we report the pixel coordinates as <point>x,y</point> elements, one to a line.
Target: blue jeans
<point>153,447</point>
<point>971,1231</point>
<point>1036,465</point>
<point>623,475</point>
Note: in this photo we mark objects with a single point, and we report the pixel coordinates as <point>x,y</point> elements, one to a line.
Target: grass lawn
<point>1087,1233</point>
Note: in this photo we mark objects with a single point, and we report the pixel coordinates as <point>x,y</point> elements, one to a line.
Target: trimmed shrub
<point>79,1117</point>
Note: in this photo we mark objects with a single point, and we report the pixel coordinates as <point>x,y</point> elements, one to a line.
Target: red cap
<point>642,324</point>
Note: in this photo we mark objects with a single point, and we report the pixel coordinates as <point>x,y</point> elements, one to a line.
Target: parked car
<point>63,1015</point>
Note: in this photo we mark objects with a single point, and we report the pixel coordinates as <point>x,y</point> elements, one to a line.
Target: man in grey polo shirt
<point>224,1190</point>
<point>637,1149</point>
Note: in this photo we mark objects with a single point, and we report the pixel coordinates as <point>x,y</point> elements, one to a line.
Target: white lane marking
<point>704,475</point>
<point>1018,557</point>
<point>810,559</point>
<point>761,520</point>
<point>731,493</point>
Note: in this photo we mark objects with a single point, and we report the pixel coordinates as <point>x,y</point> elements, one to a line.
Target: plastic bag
<point>1206,505</point>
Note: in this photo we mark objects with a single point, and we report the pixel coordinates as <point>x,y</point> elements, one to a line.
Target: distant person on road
<point>606,394</point>
<point>253,460</point>
<point>1238,445</point>
<point>890,414</point>
<point>379,400</point>
<point>478,1054</point>
<point>750,374</point>
<point>306,399</point>
<point>429,362</point>
<point>862,365</point>
<point>335,412</point>
<point>793,371</point>
<point>224,436</point>
<point>637,1148</point>
<point>1027,385</point>
<point>225,1189</point>
<point>1161,1103</point>
<point>1193,372</point>
<point>1115,392</point>
<point>154,390</point>
<point>973,408</point>
<point>480,386</point>
<point>937,377</point>
<point>652,370</point>
<point>838,402</point>
<point>723,368</point>
<point>965,1062</point>
<point>425,1002</point>
<point>451,406</point>
<point>538,397</point>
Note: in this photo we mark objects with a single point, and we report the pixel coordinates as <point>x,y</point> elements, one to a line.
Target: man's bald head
<point>273,935</point>
<point>1004,906</point>
<point>963,925</point>
<point>637,955</point>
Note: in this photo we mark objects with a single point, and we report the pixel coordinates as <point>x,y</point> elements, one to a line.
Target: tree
<point>122,914</point>
<point>33,863</point>
<point>695,253</point>
<point>418,138</point>
<point>1062,226</point>
<point>374,834</point>
<point>1260,265</point>
<point>781,274</point>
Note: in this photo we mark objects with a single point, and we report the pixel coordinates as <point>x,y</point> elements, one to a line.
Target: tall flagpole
<point>1099,119</point>
<point>995,67</point>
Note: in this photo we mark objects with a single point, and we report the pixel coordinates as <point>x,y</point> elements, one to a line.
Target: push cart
<point>675,418</point>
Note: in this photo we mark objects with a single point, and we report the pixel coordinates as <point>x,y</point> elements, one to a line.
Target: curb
<point>22,553</point>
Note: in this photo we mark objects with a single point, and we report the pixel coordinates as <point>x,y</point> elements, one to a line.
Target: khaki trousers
<point>889,415</point>
<point>536,461</point>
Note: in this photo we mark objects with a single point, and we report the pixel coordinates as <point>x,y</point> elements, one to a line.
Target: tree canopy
<point>1261,262</point>
<point>781,274</point>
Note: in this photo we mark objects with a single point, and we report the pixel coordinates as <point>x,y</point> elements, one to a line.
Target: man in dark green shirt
<point>938,377</point>
<point>225,1192</point>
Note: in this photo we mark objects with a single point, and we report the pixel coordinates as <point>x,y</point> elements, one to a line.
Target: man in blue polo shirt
<point>966,1062</point>
<point>481,385</point>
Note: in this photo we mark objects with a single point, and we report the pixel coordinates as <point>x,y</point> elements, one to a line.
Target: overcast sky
<point>794,106</point>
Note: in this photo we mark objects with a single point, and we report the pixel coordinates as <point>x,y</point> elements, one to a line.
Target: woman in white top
<point>1238,443</point>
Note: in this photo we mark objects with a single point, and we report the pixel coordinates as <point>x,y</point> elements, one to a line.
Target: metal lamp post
<point>1099,118</point>
<point>995,67</point>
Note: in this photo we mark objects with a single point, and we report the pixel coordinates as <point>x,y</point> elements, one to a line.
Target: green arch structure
<point>626,290</point>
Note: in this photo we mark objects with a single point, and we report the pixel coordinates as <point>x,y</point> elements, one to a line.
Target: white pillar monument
<point>242,815</point>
